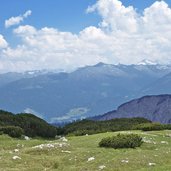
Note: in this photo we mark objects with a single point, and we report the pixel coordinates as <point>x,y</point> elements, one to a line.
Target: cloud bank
<point>123,36</point>
<point>17,20</point>
<point>3,42</point>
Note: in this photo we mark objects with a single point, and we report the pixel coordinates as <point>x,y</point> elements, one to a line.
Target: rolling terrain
<point>83,153</point>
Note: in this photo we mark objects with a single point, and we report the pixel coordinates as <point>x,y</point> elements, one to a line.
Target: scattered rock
<point>91,159</point>
<point>148,141</point>
<point>66,151</point>
<point>51,145</point>
<point>16,150</point>
<point>102,167</point>
<point>20,145</point>
<point>63,139</point>
<point>60,145</point>
<point>168,135</point>
<point>26,138</point>
<point>16,157</point>
<point>41,146</point>
<point>164,142</point>
<point>125,161</point>
<point>151,164</point>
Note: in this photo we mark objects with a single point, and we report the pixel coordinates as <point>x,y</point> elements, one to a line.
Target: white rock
<point>91,159</point>
<point>164,142</point>
<point>148,141</point>
<point>66,151</point>
<point>51,145</point>
<point>41,146</point>
<point>102,167</point>
<point>125,161</point>
<point>63,139</point>
<point>60,145</point>
<point>151,164</point>
<point>16,150</point>
<point>15,157</point>
<point>26,138</point>
<point>168,135</point>
<point>86,135</point>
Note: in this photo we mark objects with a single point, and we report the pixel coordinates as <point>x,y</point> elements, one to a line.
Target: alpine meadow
<point>85,85</point>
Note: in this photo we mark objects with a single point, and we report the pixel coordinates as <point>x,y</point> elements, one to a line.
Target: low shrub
<point>12,131</point>
<point>122,141</point>
<point>150,127</point>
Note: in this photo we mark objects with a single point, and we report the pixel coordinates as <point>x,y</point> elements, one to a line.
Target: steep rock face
<point>155,108</point>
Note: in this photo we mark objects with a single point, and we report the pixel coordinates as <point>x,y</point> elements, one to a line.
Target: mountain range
<point>156,108</point>
<point>85,92</point>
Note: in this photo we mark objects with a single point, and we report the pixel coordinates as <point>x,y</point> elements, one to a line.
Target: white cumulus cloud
<point>115,15</point>
<point>122,36</point>
<point>17,20</point>
<point>3,42</point>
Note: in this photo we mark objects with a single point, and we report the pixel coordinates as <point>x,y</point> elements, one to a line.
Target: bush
<point>150,127</point>
<point>122,141</point>
<point>12,131</point>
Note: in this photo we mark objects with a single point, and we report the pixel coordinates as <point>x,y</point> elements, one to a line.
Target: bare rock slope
<point>155,108</point>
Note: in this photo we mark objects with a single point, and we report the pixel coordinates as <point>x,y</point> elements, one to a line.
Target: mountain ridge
<point>156,108</point>
<point>88,91</point>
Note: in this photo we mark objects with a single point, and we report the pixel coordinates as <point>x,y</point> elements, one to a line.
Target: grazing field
<point>83,154</point>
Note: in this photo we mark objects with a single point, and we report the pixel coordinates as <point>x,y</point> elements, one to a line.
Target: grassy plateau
<point>82,153</point>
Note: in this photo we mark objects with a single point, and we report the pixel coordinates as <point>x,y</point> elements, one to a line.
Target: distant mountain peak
<point>147,62</point>
<point>100,64</point>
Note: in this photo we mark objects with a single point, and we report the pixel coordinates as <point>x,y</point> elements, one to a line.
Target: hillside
<point>84,127</point>
<point>156,108</point>
<point>88,91</point>
<point>73,155</point>
<point>31,124</point>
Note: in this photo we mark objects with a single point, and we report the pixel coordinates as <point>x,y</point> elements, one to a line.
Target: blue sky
<point>66,15</point>
<point>63,14</point>
<point>63,34</point>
